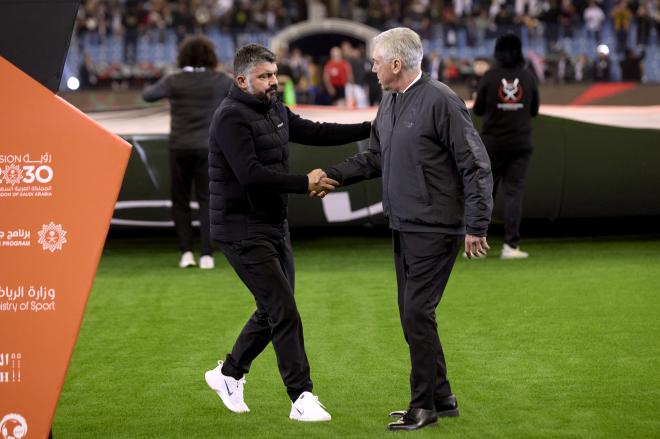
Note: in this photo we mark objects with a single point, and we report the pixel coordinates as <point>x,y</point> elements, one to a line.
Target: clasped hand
<point>319,184</point>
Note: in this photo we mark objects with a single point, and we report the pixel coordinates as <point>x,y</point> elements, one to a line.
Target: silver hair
<point>403,44</point>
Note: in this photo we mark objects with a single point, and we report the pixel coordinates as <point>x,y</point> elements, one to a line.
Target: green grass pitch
<point>565,344</point>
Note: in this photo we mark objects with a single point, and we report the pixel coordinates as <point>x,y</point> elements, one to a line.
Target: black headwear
<point>508,51</point>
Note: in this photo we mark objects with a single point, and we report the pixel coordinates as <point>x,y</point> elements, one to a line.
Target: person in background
<point>337,73</point>
<point>632,69</point>
<point>194,93</point>
<point>508,98</point>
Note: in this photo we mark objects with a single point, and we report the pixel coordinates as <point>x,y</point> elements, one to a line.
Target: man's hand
<point>319,184</point>
<point>476,246</point>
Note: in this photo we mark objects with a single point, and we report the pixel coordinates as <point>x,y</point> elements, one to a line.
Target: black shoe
<point>414,419</point>
<point>446,407</point>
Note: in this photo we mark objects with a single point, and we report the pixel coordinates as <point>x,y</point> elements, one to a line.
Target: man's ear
<point>396,66</point>
<point>241,81</point>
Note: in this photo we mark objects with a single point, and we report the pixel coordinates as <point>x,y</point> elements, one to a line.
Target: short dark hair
<point>249,56</point>
<point>197,51</point>
<point>508,51</point>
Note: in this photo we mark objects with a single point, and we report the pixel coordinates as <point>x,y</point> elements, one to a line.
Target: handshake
<point>319,184</point>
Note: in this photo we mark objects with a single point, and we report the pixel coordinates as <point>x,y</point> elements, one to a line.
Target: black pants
<point>423,264</point>
<point>265,265</point>
<point>188,166</point>
<point>510,168</point>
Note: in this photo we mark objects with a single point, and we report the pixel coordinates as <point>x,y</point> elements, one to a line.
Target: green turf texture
<point>564,344</point>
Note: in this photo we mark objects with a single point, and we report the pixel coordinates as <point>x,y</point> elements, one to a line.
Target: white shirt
<point>419,75</point>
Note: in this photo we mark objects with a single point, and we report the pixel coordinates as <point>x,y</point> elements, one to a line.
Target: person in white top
<point>593,20</point>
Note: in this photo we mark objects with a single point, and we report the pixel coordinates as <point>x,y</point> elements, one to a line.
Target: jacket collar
<point>249,100</point>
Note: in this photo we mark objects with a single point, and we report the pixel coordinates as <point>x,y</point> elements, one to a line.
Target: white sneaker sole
<point>208,377</point>
<point>310,420</point>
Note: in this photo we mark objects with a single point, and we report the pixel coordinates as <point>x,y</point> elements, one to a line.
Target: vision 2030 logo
<point>13,426</point>
<point>20,168</point>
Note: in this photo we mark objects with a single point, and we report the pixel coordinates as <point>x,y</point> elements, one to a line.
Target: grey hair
<point>403,44</point>
<point>247,57</point>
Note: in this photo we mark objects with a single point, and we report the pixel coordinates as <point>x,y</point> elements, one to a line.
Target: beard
<point>270,95</point>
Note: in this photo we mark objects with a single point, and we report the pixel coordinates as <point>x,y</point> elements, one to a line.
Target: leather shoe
<point>414,419</point>
<point>446,407</point>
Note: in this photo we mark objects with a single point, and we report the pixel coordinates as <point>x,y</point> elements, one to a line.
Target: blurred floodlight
<point>73,83</point>
<point>602,48</point>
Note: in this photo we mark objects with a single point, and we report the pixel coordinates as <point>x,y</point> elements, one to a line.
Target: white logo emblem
<point>12,174</point>
<point>13,426</point>
<point>51,237</point>
<point>510,91</point>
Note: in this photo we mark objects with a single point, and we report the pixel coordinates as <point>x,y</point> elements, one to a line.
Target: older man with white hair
<point>437,192</point>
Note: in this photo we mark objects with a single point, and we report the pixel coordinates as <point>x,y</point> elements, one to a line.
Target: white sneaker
<point>206,262</point>
<point>229,389</point>
<point>509,252</point>
<point>307,408</point>
<point>187,260</point>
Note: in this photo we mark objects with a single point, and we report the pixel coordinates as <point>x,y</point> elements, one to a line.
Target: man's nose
<point>374,69</point>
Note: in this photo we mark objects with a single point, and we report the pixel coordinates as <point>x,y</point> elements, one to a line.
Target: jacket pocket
<point>421,182</point>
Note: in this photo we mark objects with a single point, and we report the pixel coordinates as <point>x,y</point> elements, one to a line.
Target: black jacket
<point>436,172</point>
<point>249,162</point>
<point>193,96</point>
<point>508,99</point>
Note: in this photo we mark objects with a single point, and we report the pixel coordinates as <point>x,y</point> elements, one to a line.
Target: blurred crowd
<point>449,23</point>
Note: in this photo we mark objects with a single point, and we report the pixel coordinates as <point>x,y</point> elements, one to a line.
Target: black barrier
<point>35,36</point>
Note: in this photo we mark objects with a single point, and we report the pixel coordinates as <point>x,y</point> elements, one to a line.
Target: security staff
<point>508,98</point>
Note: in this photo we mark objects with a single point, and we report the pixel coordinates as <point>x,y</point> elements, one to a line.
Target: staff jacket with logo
<point>249,162</point>
<point>508,99</point>
<point>435,169</point>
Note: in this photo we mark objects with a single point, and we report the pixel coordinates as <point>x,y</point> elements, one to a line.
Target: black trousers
<point>188,166</point>
<point>509,167</point>
<point>265,265</point>
<point>423,264</point>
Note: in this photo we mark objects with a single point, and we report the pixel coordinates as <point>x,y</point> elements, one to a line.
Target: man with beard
<point>249,175</point>
<point>437,189</point>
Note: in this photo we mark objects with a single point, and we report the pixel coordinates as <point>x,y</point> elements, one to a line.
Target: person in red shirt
<point>337,73</point>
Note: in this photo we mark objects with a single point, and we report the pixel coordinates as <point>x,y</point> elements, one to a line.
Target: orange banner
<point>60,175</point>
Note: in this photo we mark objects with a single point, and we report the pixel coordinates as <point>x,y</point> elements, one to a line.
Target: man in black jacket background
<point>508,98</point>
<point>436,184</point>
<point>194,94</point>
<point>250,180</point>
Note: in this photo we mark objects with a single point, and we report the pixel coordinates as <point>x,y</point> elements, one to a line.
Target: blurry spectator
<point>644,24</point>
<point>450,72</point>
<point>631,66</point>
<point>336,74</point>
<point>87,73</point>
<point>183,21</point>
<point>356,94</point>
<point>131,22</point>
<point>621,18</point>
<point>582,68</point>
<point>433,65</point>
<point>566,17</point>
<point>565,71</point>
<point>602,64</point>
<point>157,20</point>
<point>550,18</point>
<point>593,21</point>
<point>194,94</point>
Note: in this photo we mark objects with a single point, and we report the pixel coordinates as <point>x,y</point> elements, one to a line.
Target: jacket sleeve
<point>233,134</point>
<point>362,166</point>
<point>325,134</point>
<point>157,91</point>
<point>458,133</point>
<point>479,107</point>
